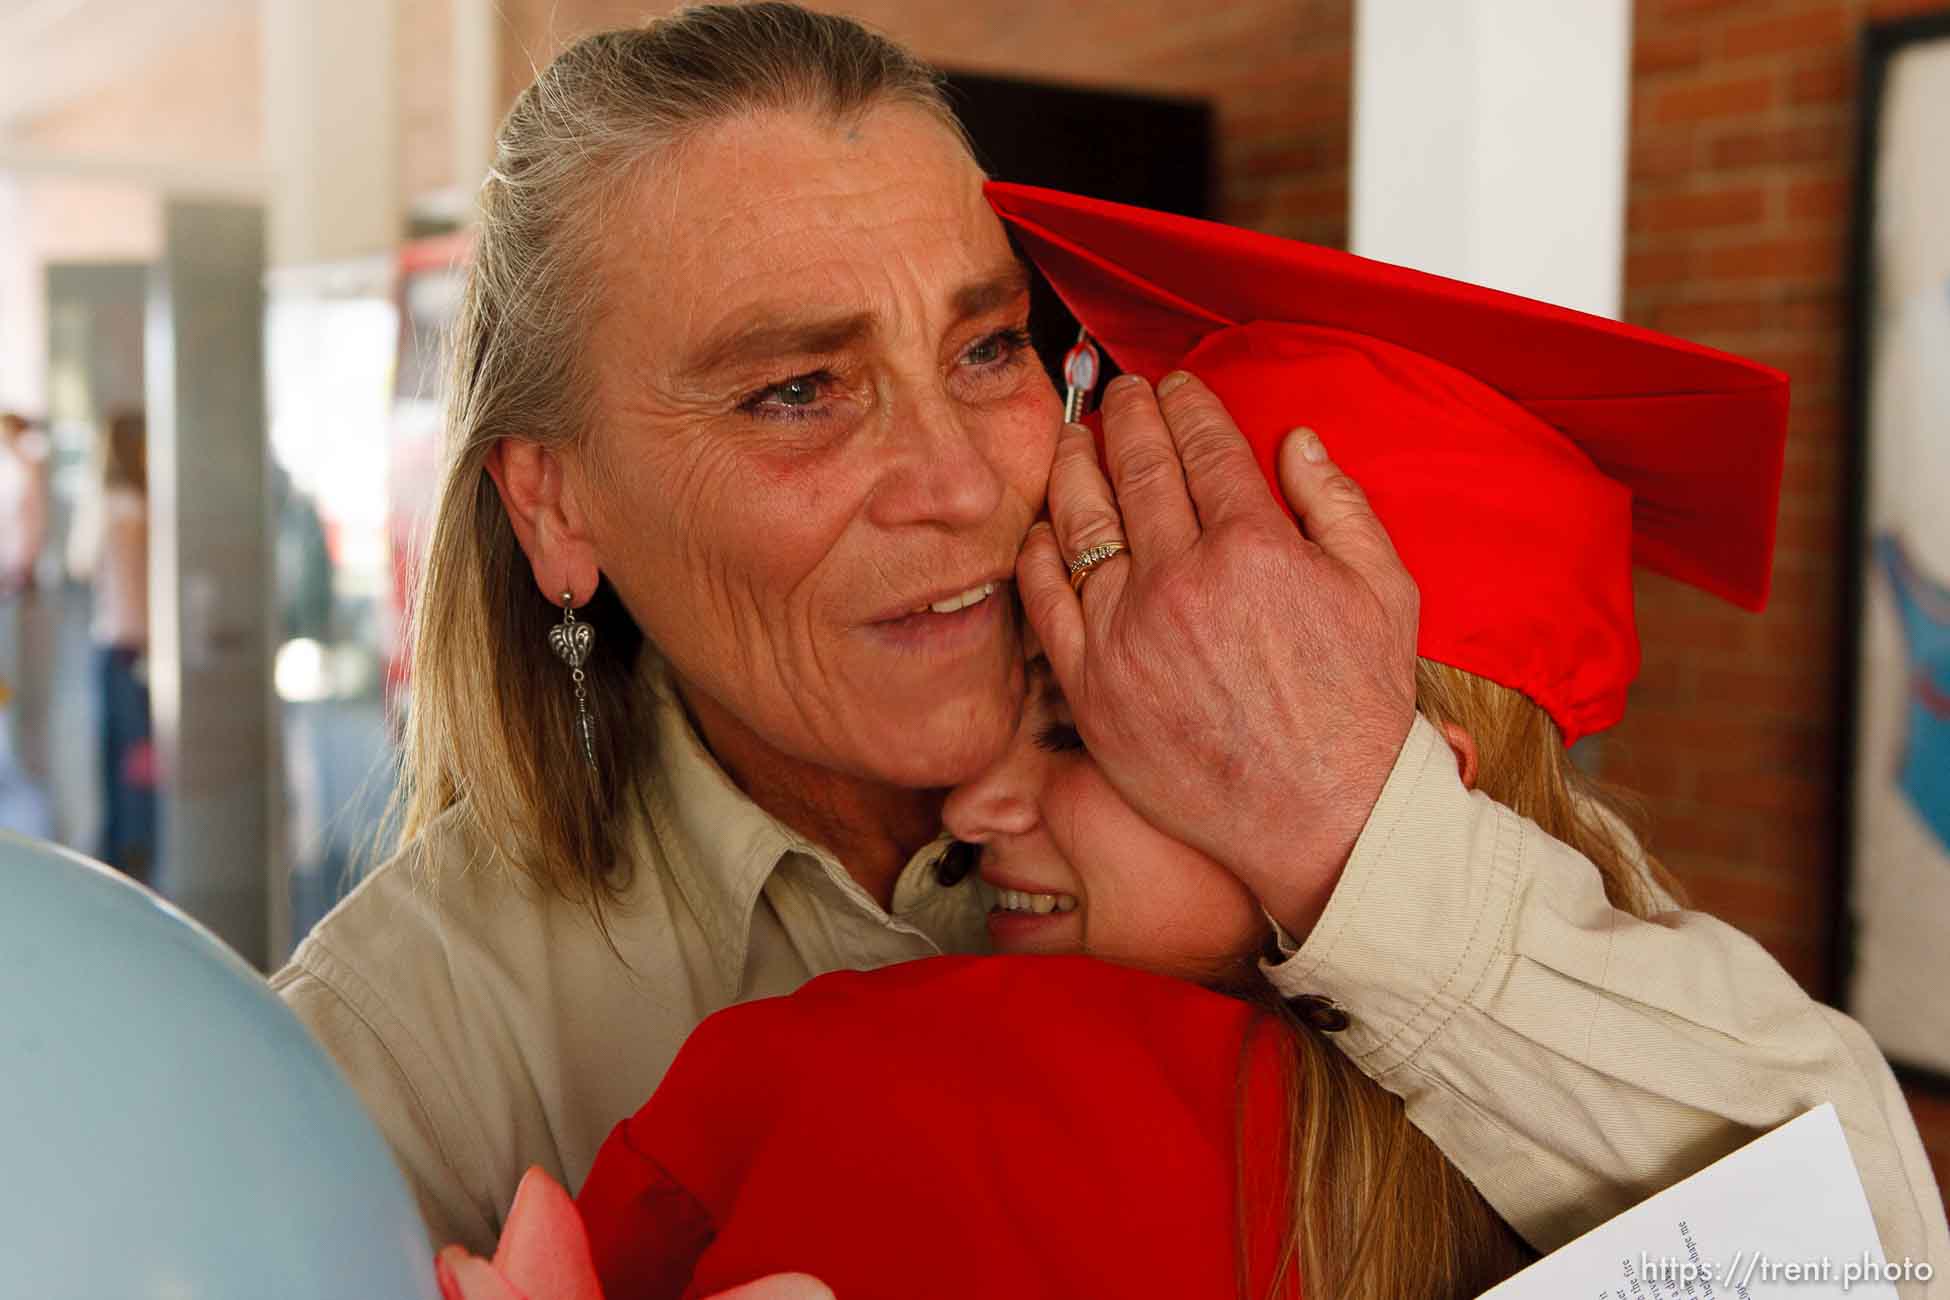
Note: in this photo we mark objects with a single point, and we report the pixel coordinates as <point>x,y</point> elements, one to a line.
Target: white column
<point>476,95</point>
<point>23,319</point>
<point>331,129</point>
<point>1490,142</point>
<point>210,568</point>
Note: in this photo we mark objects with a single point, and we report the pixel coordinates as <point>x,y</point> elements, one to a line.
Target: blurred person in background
<point>23,502</point>
<point>27,619</point>
<point>109,547</point>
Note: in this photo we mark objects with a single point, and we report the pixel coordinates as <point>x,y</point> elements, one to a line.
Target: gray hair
<point>492,717</point>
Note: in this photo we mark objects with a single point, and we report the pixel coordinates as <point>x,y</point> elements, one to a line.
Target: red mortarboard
<point>1521,455</point>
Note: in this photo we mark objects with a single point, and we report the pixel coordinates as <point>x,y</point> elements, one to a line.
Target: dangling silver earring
<point>571,641</point>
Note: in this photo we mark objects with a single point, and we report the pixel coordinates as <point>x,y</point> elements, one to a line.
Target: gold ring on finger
<point>1089,558</point>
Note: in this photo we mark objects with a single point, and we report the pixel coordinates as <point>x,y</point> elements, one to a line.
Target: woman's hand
<point>544,1255</point>
<point>1245,684</point>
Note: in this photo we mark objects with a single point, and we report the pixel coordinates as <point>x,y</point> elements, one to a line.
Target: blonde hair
<point>492,714</point>
<point>1376,1211</point>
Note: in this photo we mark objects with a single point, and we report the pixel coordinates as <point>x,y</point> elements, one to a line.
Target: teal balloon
<point>168,1130</point>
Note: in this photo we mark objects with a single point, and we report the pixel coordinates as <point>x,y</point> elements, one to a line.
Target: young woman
<point>109,547</point>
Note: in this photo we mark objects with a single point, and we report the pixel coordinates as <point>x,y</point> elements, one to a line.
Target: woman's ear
<point>1464,745</point>
<point>548,518</point>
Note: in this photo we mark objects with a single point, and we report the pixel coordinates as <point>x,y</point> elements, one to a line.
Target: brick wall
<point>1278,73</point>
<point>1741,171</point>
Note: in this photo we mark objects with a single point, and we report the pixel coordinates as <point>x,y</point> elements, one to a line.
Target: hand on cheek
<point>1246,684</point>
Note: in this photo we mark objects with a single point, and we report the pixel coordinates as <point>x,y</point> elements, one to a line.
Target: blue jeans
<point>128,838</point>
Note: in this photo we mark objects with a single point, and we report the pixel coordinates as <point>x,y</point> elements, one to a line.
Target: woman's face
<point>822,438</point>
<point>1081,872</point>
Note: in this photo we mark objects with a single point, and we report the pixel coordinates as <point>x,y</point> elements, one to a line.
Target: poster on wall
<point>1898,827</point>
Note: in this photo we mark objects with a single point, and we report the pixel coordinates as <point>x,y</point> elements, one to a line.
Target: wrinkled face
<point>823,436</point>
<point>1081,872</point>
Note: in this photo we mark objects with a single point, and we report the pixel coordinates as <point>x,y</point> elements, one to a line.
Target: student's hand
<point>544,1255</point>
<point>1244,683</point>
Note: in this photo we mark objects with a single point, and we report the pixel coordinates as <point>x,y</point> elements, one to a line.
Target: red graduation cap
<point>1522,456</point>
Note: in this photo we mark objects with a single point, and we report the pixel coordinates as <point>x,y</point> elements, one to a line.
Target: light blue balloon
<point>168,1130</point>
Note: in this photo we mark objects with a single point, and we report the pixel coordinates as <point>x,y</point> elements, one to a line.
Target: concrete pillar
<point>332,139</point>
<point>23,324</point>
<point>331,129</point>
<point>1490,142</point>
<point>209,567</point>
<point>476,95</point>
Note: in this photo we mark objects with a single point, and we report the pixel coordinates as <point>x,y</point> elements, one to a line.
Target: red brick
<point>1652,11</point>
<point>1277,106</point>
<point>1770,792</point>
<point>1799,538</point>
<point>1807,474</point>
<point>1666,50</point>
<point>1708,100</point>
<point>1720,629</point>
<point>1819,200</point>
<point>1659,779</point>
<point>1305,199</point>
<point>1819,28</point>
<point>1698,210</point>
<point>1813,419</point>
<point>1661,685</point>
<point>1766,146</point>
<point>1697,833</point>
<point>1693,318</point>
<point>1781,688</point>
<point>1727,743</point>
<point>1666,267</point>
<point>1776,905</point>
<point>1294,157</point>
<point>1880,9</point>
<point>1798,259</point>
<point>1663,155</point>
<point>1809,366</point>
<point>1825,81</point>
<point>1931,1110</point>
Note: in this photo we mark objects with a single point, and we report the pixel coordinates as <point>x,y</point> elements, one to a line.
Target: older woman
<point>745,440</point>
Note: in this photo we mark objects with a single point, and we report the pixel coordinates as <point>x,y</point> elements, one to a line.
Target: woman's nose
<point>940,469</point>
<point>999,803</point>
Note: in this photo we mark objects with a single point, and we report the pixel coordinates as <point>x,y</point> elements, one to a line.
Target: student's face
<point>1081,872</point>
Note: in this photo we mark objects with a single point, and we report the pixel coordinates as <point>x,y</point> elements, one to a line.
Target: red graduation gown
<point>963,1126</point>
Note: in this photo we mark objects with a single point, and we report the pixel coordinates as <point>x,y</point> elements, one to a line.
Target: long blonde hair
<point>1376,1211</point>
<point>492,714</point>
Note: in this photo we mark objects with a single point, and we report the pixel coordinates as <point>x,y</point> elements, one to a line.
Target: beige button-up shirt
<point>1568,1058</point>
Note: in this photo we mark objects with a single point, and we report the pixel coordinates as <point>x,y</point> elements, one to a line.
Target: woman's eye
<point>793,399</point>
<point>997,347</point>
<point>797,392</point>
<point>1059,738</point>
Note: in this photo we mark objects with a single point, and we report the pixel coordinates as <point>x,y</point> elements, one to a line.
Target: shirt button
<point>1323,1013</point>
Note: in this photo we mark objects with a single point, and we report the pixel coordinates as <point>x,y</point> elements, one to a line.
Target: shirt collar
<point>719,846</point>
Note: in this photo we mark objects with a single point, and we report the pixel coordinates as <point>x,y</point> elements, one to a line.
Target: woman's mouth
<point>1018,900</point>
<point>1022,921</point>
<point>950,604</point>
<point>961,621</point>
